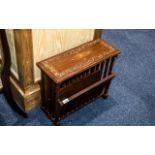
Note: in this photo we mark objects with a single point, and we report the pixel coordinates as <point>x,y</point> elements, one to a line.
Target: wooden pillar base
<point>26,100</point>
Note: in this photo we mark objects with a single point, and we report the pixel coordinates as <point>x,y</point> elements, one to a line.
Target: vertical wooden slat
<point>111,65</point>
<point>44,91</point>
<point>57,106</point>
<point>106,68</point>
<point>102,69</point>
<point>107,88</point>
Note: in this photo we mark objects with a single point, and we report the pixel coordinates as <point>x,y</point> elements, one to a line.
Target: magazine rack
<point>76,77</point>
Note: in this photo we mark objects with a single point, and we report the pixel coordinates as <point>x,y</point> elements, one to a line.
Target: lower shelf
<point>56,121</point>
<point>81,99</point>
<point>86,90</point>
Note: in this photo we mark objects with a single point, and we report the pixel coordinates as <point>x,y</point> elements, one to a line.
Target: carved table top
<point>76,60</point>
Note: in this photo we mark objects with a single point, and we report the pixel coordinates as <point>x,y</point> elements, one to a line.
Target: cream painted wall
<point>10,38</point>
<point>48,42</point>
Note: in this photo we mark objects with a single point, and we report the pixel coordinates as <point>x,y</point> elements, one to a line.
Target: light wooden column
<point>24,53</point>
<point>26,93</point>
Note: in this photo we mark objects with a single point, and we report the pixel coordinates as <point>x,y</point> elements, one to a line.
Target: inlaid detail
<point>70,70</point>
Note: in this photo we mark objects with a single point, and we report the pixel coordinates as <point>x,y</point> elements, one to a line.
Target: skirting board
<point>27,100</point>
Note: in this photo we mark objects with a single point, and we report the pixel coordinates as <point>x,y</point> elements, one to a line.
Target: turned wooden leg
<point>56,122</point>
<point>105,95</point>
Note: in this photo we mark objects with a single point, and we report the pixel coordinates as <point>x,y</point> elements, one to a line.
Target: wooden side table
<point>76,77</point>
